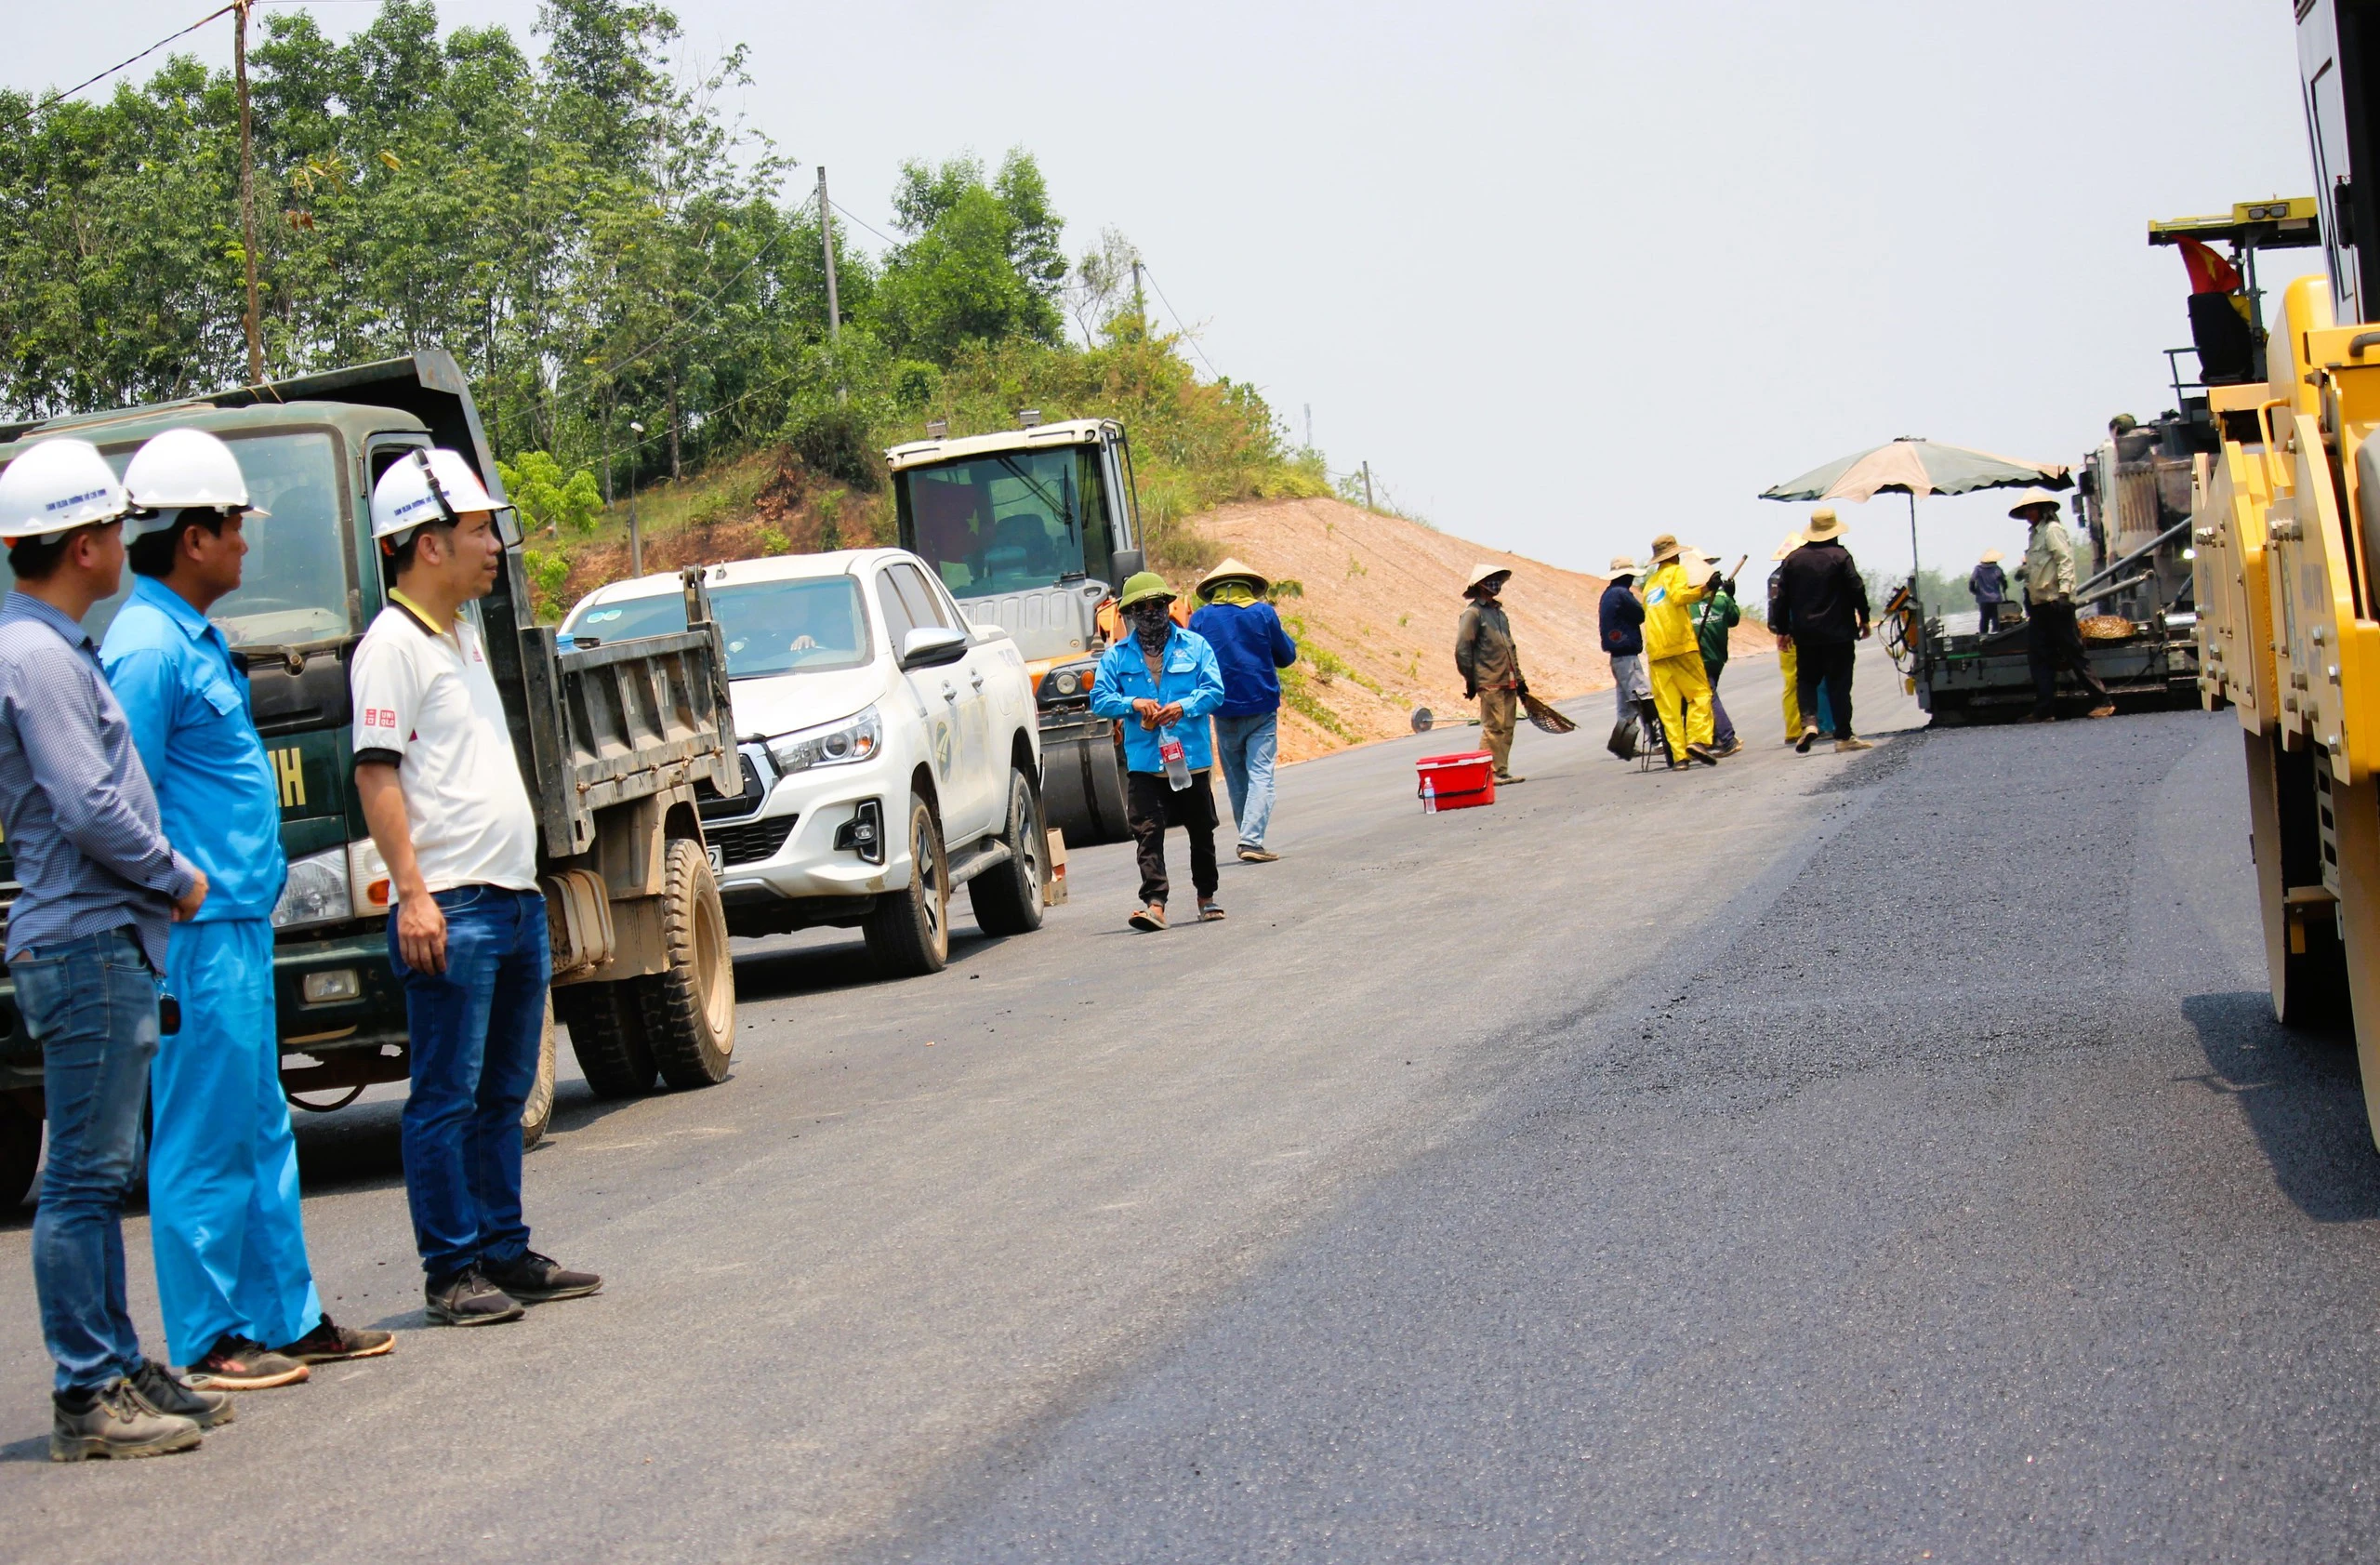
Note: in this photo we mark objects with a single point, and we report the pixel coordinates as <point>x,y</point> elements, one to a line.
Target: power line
<point>59,96</point>
<point>863,222</point>
<point>1187,335</point>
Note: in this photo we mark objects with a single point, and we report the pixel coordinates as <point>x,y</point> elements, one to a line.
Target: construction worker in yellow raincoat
<point>1673,656</point>
<point>1785,656</point>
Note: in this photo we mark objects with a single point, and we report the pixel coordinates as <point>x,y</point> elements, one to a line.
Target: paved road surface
<point>1871,1158</point>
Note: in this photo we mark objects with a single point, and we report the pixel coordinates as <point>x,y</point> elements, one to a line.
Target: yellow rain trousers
<point>1682,692</point>
<point>1790,662</point>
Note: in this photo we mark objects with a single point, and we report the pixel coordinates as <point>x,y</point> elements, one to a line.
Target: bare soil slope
<point>1376,616</point>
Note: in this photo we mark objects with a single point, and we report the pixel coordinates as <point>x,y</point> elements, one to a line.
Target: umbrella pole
<point>1912,549</point>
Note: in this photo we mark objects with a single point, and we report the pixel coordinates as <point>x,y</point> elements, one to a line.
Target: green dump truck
<point>617,744</point>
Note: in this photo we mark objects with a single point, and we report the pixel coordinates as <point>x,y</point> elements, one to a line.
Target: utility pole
<point>635,535</point>
<point>247,189</point>
<point>1309,426</point>
<point>826,237</point>
<point>834,305</point>
<point>1140,306</point>
<point>1367,487</point>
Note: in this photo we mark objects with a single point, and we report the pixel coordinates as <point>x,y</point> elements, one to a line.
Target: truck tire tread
<point>607,1035</point>
<point>689,1023</point>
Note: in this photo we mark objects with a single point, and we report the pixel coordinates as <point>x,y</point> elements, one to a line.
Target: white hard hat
<point>425,487</point>
<point>55,487</point>
<point>183,468</point>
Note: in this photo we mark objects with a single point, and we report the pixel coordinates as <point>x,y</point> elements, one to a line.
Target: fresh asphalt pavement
<point>1886,1156</point>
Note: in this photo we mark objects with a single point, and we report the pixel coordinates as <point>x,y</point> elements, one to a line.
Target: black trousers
<point>1987,618</point>
<point>1822,663</point>
<point>1151,805</point>
<point>2053,641</point>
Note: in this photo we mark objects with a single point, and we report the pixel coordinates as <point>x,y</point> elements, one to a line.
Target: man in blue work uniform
<point>99,885</point>
<point>223,1218</point>
<point>1161,682</point>
<point>1250,648</point>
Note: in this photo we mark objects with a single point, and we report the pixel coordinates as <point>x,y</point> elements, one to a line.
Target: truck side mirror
<point>1126,564</point>
<point>931,646</point>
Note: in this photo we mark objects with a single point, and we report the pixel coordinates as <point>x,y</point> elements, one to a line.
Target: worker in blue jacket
<point>1161,682</point>
<point>1252,649</point>
<point>238,1295</point>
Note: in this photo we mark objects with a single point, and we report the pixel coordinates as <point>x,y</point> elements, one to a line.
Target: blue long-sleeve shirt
<point>74,803</point>
<point>1623,621</point>
<point>1252,649</point>
<point>1191,676</point>
<point>188,704</point>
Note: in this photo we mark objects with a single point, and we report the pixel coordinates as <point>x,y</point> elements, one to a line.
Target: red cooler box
<point>1457,782</point>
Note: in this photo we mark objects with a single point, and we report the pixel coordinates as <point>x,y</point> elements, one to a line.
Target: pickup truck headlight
<point>830,744</point>
<point>316,893</point>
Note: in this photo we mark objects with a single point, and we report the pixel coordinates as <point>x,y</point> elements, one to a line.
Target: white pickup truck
<point>890,752</point>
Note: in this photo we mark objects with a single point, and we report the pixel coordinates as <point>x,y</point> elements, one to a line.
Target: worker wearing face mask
<point>1161,682</point>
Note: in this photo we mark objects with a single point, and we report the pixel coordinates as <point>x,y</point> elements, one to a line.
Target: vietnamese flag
<point>2210,273</point>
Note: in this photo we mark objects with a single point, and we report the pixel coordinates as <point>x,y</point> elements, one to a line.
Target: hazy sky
<point>1566,276</point>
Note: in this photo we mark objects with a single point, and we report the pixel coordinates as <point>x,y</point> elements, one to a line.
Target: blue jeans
<point>1246,747</point>
<point>91,1003</point>
<point>475,1032</point>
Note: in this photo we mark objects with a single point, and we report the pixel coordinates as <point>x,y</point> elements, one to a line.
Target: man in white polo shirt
<point>443,800</point>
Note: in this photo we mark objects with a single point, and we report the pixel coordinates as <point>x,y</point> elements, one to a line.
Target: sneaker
<point>1257,855</point>
<point>535,1279</point>
<point>1150,918</point>
<point>1209,911</point>
<point>468,1298</point>
<point>1809,736</point>
<point>1703,753</point>
<point>1731,747</point>
<point>1855,742</point>
<point>328,1344</point>
<point>2107,709</point>
<point>238,1363</point>
<point>114,1422</point>
<point>155,1384</point>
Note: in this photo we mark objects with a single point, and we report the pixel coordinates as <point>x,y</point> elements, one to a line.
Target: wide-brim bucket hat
<point>1824,525</point>
<point>1664,550</point>
<point>1234,570</point>
<point>1622,566</point>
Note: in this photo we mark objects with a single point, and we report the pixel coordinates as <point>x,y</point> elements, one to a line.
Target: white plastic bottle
<point>1177,764</point>
<point>1429,796</point>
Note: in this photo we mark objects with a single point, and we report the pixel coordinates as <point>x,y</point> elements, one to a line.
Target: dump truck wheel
<point>20,1150</point>
<point>908,931</point>
<point>1007,898</point>
<point>607,1034</point>
<point>540,1109</point>
<point>689,1005</point>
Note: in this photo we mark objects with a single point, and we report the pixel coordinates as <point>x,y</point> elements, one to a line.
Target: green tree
<point>983,263</point>
<point>550,499</point>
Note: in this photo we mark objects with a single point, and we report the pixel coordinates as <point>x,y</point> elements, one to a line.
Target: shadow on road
<point>820,969</point>
<point>2303,1099</point>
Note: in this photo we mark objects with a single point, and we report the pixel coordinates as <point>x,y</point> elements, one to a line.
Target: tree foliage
<point>596,242</point>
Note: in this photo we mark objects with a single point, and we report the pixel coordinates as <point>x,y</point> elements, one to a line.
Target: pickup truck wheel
<point>20,1150</point>
<point>1007,898</point>
<point>908,931</point>
<point>689,1005</point>
<point>607,1034</point>
<point>540,1106</point>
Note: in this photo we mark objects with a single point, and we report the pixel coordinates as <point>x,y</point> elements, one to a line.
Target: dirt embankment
<point>1376,616</point>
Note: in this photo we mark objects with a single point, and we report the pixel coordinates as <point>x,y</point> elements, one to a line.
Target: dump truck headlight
<point>339,983</point>
<point>830,744</point>
<point>316,893</point>
<point>1069,683</point>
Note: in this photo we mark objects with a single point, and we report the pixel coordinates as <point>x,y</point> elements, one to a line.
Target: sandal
<point>1150,918</point>
<point>1209,911</point>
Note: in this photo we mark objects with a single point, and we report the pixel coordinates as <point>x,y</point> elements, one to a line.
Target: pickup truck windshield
<point>294,583</point>
<point>1009,522</point>
<point>771,627</point>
